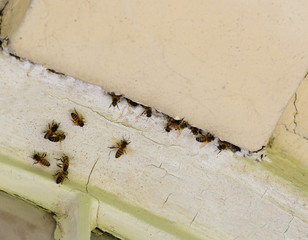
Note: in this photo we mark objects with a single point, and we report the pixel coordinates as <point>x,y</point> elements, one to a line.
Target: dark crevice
<point>104,235</point>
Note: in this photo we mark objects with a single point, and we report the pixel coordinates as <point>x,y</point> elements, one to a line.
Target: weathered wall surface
<point>167,186</point>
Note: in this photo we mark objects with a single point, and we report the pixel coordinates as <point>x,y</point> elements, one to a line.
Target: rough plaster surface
<point>227,66</point>
<point>291,133</point>
<point>165,187</point>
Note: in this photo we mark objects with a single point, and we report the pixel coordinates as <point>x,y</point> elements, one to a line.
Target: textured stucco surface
<point>291,133</point>
<point>227,66</point>
<point>165,187</point>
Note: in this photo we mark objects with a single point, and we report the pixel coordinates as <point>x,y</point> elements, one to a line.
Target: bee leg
<point>60,165</point>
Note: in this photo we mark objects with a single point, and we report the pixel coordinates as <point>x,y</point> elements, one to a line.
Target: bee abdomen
<point>119,152</point>
<point>45,162</point>
<point>74,116</point>
<point>54,138</point>
<point>201,138</point>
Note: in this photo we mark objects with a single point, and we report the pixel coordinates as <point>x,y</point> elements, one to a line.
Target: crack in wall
<point>91,174</point>
<point>192,221</point>
<point>296,113</point>
<point>166,172</point>
<point>284,233</point>
<point>294,130</point>
<point>166,199</point>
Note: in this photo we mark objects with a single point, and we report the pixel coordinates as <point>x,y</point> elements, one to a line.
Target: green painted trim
<point>146,216</point>
<point>159,222</point>
<point>288,168</point>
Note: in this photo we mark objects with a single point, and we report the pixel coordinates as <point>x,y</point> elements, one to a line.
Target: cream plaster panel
<point>227,66</point>
<point>291,133</point>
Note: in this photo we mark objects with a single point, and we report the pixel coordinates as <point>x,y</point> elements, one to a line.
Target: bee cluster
<point>200,135</point>
<point>54,134</point>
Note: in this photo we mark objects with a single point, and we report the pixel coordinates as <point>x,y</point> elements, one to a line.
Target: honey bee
<point>176,124</point>
<point>77,118</point>
<point>195,131</point>
<point>61,176</point>
<point>183,124</point>
<point>132,103</point>
<point>59,136</point>
<point>147,111</point>
<point>167,128</point>
<point>121,146</point>
<point>169,124</point>
<point>223,145</point>
<point>65,161</point>
<point>52,128</point>
<point>40,158</point>
<point>115,99</point>
<point>205,138</point>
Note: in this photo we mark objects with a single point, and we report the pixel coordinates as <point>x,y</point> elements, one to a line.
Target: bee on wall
<point>115,99</point>
<point>175,124</point>
<point>41,159</point>
<point>77,118</point>
<point>205,138</point>
<point>65,161</point>
<point>168,128</point>
<point>52,128</point>
<point>195,131</point>
<point>179,124</point>
<point>132,103</point>
<point>147,111</point>
<point>61,176</point>
<point>169,123</point>
<point>121,146</point>
<point>183,124</point>
<point>223,145</point>
<point>58,136</point>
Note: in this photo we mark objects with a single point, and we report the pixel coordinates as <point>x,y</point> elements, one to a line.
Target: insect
<point>52,128</point>
<point>223,145</point>
<point>132,103</point>
<point>61,176</point>
<point>40,158</point>
<point>147,111</point>
<point>65,161</point>
<point>115,99</point>
<point>77,118</point>
<point>176,124</point>
<point>205,138</point>
<point>59,136</point>
<point>167,128</point>
<point>121,146</point>
<point>169,124</point>
<point>195,130</point>
<point>183,124</point>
